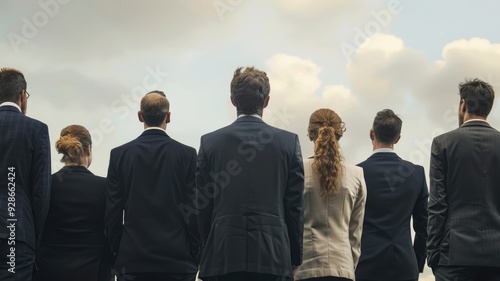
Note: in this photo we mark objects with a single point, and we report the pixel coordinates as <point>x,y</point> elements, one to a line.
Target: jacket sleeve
<point>438,206</point>
<point>420,222</point>
<point>41,184</point>
<point>113,218</point>
<point>188,208</point>
<point>203,204</point>
<point>356,221</point>
<point>294,205</point>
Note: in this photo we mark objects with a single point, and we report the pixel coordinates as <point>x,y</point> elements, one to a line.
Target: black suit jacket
<point>464,204</point>
<point>396,192</point>
<point>250,181</point>
<point>24,173</point>
<point>151,180</point>
<point>74,246</point>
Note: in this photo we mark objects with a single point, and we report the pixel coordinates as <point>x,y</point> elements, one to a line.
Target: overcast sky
<point>90,62</point>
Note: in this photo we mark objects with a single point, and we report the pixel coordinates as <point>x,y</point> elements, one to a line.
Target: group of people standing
<point>247,206</point>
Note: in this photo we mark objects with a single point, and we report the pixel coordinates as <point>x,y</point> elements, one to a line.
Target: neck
<point>377,145</point>
<point>468,116</point>
<point>163,126</point>
<point>83,164</point>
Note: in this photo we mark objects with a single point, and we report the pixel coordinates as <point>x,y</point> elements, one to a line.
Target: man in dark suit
<point>250,181</point>
<point>396,192</point>
<point>149,180</point>
<point>464,204</point>
<point>24,179</point>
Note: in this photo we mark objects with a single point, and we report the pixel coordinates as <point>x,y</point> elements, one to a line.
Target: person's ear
<point>139,115</point>
<point>397,139</point>
<point>232,100</point>
<point>23,101</point>
<point>88,151</point>
<point>372,134</point>
<point>167,118</point>
<point>266,101</point>
<point>463,107</point>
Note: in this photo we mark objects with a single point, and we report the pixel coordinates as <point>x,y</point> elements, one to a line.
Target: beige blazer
<point>333,225</point>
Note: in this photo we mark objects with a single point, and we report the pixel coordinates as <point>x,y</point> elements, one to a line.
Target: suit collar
<point>154,133</point>
<point>248,118</point>
<point>7,106</point>
<point>476,123</point>
<point>384,155</point>
<point>80,169</point>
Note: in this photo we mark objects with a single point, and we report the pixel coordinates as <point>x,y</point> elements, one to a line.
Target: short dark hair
<point>387,126</point>
<point>478,96</point>
<point>249,89</point>
<point>154,111</point>
<point>12,83</point>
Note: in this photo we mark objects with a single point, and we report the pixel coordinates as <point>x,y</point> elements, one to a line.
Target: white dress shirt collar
<point>155,128</point>
<point>470,120</point>
<point>253,115</point>
<point>383,150</point>
<point>8,103</point>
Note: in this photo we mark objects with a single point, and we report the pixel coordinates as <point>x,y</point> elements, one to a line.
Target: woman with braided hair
<point>334,202</point>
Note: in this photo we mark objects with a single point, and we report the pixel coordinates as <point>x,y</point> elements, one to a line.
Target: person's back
<point>149,180</point>
<point>464,206</point>
<point>250,183</point>
<point>25,184</point>
<point>334,204</point>
<point>74,245</point>
<point>396,193</point>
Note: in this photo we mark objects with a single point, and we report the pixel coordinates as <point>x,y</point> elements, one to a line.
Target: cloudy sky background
<point>90,62</point>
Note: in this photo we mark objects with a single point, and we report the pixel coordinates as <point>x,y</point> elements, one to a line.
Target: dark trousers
<point>466,273</point>
<point>327,278</point>
<point>247,276</point>
<point>20,263</point>
<point>143,276</point>
<point>357,279</point>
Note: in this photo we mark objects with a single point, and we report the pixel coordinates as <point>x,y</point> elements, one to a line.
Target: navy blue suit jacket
<point>151,180</point>
<point>250,179</point>
<point>24,173</point>
<point>396,192</point>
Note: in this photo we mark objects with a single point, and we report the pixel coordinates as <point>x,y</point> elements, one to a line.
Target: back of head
<point>387,127</point>
<point>154,108</point>
<point>249,89</point>
<point>72,144</point>
<point>478,96</point>
<point>325,129</point>
<point>12,83</point>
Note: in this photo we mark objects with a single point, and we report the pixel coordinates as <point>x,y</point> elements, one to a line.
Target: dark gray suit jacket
<point>250,179</point>
<point>24,173</point>
<point>152,179</point>
<point>464,204</point>
<point>396,192</point>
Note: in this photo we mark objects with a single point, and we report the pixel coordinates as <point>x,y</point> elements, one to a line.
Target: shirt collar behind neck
<point>384,149</point>
<point>9,103</point>
<point>253,115</point>
<point>155,128</point>
<point>472,120</point>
